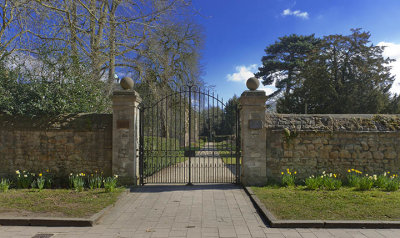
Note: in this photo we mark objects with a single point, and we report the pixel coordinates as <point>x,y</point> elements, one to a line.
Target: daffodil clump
<point>380,181</point>
<point>79,182</point>
<point>288,178</point>
<point>385,181</point>
<point>4,185</point>
<point>26,179</point>
<point>393,183</point>
<point>327,181</point>
<point>40,181</point>
<point>353,177</point>
<point>365,183</point>
<point>110,183</point>
<point>95,181</point>
<point>313,182</point>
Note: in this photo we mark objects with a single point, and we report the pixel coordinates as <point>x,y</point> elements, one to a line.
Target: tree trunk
<point>112,39</point>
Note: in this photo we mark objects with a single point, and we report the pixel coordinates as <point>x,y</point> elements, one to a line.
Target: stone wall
<point>63,144</point>
<point>311,144</point>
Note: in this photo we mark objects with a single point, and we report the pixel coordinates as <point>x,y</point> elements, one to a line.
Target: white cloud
<point>245,72</point>
<point>296,13</point>
<point>242,73</point>
<point>268,89</point>
<point>392,50</point>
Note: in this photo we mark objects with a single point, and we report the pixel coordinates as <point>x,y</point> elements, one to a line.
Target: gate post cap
<point>127,83</point>
<point>253,83</point>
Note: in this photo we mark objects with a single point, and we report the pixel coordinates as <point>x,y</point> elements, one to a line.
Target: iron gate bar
<point>215,154</point>
<point>190,134</point>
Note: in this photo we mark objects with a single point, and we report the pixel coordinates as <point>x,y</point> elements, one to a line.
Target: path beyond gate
<point>189,136</point>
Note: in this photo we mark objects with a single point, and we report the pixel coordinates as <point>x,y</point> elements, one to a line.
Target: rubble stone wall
<point>62,144</point>
<point>311,144</point>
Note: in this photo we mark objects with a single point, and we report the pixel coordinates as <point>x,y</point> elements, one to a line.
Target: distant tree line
<point>332,74</point>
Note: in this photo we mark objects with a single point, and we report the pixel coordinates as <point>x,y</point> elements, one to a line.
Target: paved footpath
<point>187,211</point>
<point>206,167</point>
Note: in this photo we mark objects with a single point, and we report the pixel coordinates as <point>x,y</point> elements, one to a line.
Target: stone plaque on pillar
<point>255,124</point>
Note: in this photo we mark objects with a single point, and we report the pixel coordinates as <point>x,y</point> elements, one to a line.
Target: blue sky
<point>238,31</point>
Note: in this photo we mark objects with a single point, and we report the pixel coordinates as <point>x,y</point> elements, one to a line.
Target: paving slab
<point>208,210</point>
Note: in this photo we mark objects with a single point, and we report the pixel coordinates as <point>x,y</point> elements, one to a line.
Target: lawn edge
<point>61,221</point>
<point>273,222</point>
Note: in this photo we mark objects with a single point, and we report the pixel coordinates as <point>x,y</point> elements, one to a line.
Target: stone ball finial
<point>126,83</point>
<point>253,83</point>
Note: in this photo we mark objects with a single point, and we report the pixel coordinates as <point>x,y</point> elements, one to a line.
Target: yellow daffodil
<point>17,172</point>
<point>282,173</point>
<point>295,172</point>
<point>349,170</point>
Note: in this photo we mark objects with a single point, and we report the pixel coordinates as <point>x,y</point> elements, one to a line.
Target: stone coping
<point>60,221</point>
<point>273,222</point>
<point>47,123</point>
<point>333,122</point>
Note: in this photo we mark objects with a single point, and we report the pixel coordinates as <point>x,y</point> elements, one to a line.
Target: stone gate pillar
<point>253,134</point>
<point>125,102</point>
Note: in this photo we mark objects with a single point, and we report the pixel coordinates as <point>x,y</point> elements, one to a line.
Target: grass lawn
<point>228,157</point>
<point>155,164</point>
<point>227,152</point>
<point>343,204</point>
<point>56,202</point>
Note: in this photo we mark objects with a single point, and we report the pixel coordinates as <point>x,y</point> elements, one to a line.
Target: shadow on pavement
<point>156,188</point>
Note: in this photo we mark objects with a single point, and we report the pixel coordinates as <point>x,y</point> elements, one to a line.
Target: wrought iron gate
<point>189,136</point>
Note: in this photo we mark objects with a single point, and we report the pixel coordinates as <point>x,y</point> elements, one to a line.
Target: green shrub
<point>22,92</point>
